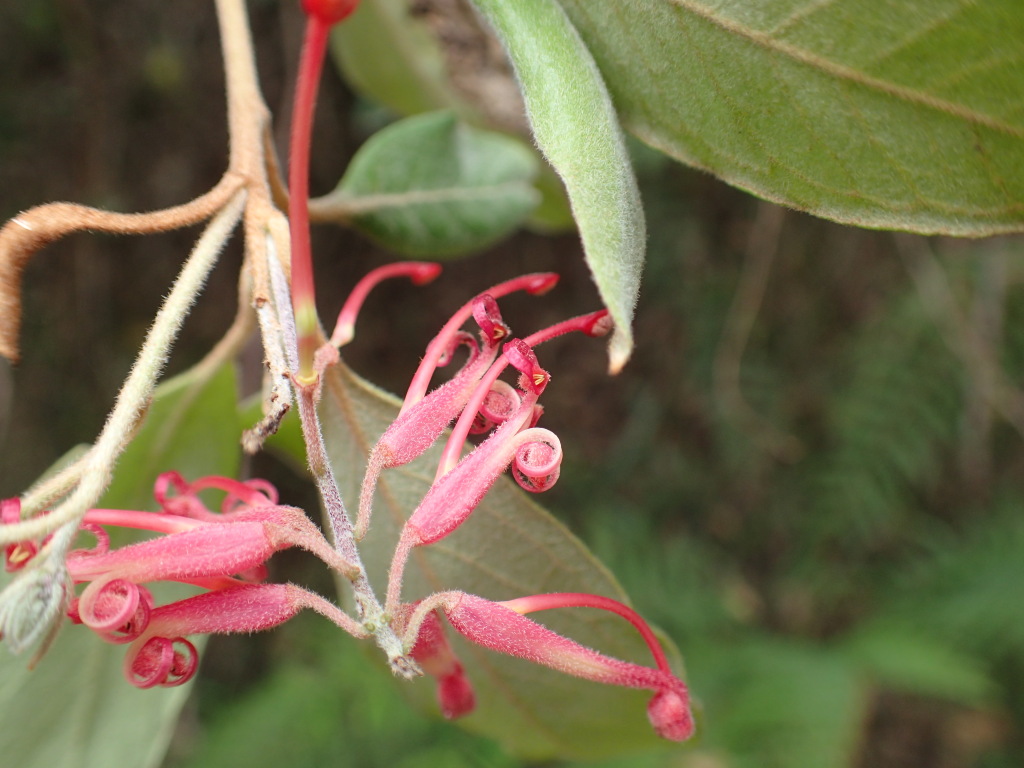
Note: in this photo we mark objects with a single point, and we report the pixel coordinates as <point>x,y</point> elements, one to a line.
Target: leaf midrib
<point>357,205</point>
<point>839,71</point>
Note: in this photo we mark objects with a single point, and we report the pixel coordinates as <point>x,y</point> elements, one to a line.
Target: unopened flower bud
<point>31,604</point>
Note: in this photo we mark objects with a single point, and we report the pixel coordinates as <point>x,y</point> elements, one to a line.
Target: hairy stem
<point>137,392</point>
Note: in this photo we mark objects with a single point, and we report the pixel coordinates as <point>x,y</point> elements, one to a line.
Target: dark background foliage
<point>810,474</point>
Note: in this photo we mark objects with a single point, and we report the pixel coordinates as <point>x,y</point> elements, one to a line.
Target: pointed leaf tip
<point>575,126</point>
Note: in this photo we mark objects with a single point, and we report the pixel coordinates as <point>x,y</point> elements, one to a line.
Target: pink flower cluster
<point>224,553</point>
<point>478,401</point>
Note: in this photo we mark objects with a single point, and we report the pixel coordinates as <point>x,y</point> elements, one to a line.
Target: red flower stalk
<point>534,284</point>
<point>419,272</point>
<point>321,15</point>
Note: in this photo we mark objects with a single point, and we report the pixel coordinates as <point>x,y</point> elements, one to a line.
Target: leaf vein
<point>915,35</point>
<point>843,72</point>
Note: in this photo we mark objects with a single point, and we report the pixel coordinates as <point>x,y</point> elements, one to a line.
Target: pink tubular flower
<point>454,693</point>
<point>162,656</point>
<point>452,499</point>
<point>502,627</point>
<point>536,452</point>
<point>217,552</point>
<point>424,416</point>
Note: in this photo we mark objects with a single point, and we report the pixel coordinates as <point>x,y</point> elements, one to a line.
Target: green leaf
<point>511,547</point>
<point>908,659</point>
<point>390,56</point>
<point>907,116</point>
<point>576,128</point>
<point>431,186</point>
<point>971,577</point>
<point>778,704</point>
<point>75,709</point>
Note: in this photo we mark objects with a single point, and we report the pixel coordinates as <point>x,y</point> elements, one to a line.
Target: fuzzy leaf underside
<point>905,116</point>
<point>575,126</point>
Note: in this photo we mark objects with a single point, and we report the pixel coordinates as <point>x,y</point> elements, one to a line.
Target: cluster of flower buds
<point>478,401</point>
<point>224,553</point>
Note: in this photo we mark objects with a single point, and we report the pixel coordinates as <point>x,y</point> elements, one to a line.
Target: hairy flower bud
<point>32,603</point>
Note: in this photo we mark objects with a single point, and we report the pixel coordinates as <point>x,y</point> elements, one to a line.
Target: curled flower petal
<point>108,604</point>
<point>182,502</point>
<point>461,339</point>
<point>500,403</point>
<point>117,610</point>
<point>537,461</point>
<point>102,545</point>
<point>244,494</point>
<point>161,661</point>
<point>186,502</point>
<point>488,317</point>
<point>521,356</point>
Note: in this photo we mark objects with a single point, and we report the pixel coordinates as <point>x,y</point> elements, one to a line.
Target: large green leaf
<point>76,710</point>
<point>576,128</point>
<point>432,186</point>
<point>902,115</point>
<point>511,547</point>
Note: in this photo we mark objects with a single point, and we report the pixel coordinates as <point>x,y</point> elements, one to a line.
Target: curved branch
<point>28,232</point>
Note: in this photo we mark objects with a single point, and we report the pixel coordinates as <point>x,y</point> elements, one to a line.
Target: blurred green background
<point>810,475</point>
